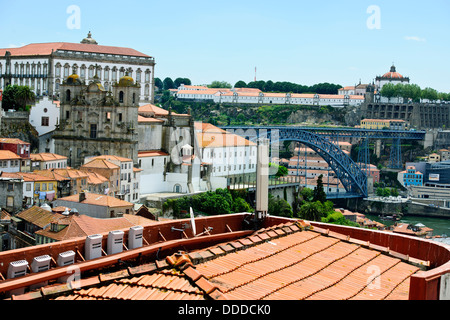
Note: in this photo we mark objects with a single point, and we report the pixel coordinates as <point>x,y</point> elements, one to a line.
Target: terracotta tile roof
<point>71,173</point>
<point>211,136</point>
<point>33,176</point>
<point>304,265</point>
<point>285,261</point>
<point>112,158</point>
<point>8,155</point>
<point>12,141</point>
<point>151,108</point>
<point>100,164</point>
<point>152,153</point>
<point>50,173</point>
<point>156,286</point>
<point>38,216</point>
<point>98,200</point>
<point>46,157</point>
<point>47,48</point>
<point>142,119</point>
<point>83,225</point>
<point>95,178</point>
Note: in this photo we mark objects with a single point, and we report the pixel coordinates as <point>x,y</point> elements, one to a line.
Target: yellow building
<point>391,124</point>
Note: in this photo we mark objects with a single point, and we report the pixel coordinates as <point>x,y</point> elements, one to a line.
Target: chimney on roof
<point>82,196</point>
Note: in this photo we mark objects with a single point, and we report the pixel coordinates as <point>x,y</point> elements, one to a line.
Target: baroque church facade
<point>94,121</point>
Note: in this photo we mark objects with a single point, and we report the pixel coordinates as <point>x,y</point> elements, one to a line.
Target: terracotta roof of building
<point>83,225</point>
<point>286,259</point>
<point>31,176</point>
<point>96,178</point>
<point>70,173</point>
<point>210,136</point>
<point>12,141</point>
<point>151,108</point>
<point>110,157</point>
<point>98,200</point>
<point>46,157</point>
<point>152,153</point>
<point>8,155</point>
<point>282,262</point>
<point>38,216</point>
<point>39,49</point>
<point>142,119</point>
<point>100,164</point>
<point>50,173</point>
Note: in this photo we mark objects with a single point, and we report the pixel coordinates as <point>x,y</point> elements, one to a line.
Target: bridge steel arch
<point>347,171</point>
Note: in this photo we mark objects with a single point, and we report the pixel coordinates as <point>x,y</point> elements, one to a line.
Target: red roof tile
<point>35,49</point>
<point>285,261</point>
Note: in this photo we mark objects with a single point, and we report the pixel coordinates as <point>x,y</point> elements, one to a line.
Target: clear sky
<point>304,42</point>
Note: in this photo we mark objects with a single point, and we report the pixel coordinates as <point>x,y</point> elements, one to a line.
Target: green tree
<point>179,81</point>
<point>319,194</point>
<point>219,84</point>
<point>240,84</point>
<point>159,84</point>
<point>17,97</point>
<point>279,207</point>
<point>388,90</point>
<point>168,84</point>
<point>312,211</point>
<point>429,93</point>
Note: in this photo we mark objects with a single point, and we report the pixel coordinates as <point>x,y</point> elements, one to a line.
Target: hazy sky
<point>305,42</point>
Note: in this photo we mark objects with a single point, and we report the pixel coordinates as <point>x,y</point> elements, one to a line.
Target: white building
<point>44,115</point>
<point>251,96</point>
<point>9,161</point>
<point>44,161</point>
<point>44,66</point>
<point>390,77</point>
<point>232,158</point>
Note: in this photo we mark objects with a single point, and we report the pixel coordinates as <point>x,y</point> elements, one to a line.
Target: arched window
<point>121,96</point>
<point>134,98</point>
<point>68,95</point>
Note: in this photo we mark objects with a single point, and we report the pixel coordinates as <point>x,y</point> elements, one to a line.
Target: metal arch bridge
<point>347,171</point>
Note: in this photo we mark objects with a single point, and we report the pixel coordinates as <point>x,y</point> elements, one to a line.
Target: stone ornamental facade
<point>95,121</point>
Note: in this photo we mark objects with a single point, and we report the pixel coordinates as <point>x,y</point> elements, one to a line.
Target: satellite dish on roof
<point>192,221</point>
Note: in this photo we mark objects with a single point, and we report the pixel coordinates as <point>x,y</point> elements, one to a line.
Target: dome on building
<point>73,79</point>
<point>392,74</point>
<point>89,39</point>
<point>126,81</point>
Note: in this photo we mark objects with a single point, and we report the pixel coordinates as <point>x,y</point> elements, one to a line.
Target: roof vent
<point>115,242</point>
<point>135,237</point>
<point>93,247</point>
<point>39,264</point>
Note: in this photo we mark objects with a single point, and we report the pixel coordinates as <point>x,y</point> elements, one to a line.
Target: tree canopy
<point>17,97</point>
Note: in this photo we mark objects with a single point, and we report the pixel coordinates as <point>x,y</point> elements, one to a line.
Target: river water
<point>440,226</point>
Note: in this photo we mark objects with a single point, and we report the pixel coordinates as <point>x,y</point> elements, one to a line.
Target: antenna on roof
<point>255,74</point>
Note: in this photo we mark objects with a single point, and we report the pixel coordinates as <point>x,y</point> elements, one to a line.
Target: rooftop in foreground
<point>230,259</point>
